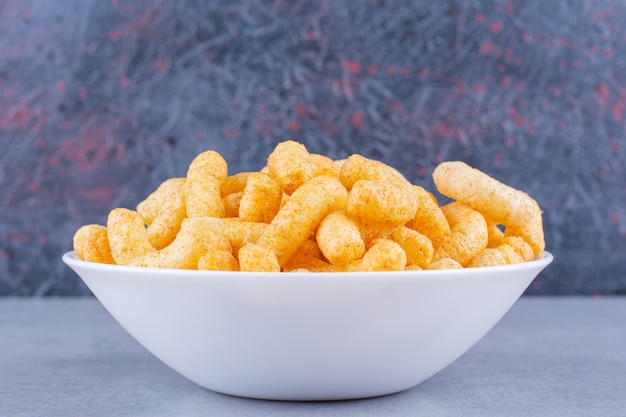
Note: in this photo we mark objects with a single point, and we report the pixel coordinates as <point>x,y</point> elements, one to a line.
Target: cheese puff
<point>238,232</point>
<point>290,165</point>
<point>284,199</point>
<point>323,165</point>
<point>429,220</point>
<point>357,167</point>
<point>234,183</point>
<point>380,202</point>
<point>261,199</point>
<point>130,246</point>
<point>128,238</point>
<point>163,211</point>
<point>419,249</point>
<point>231,204</point>
<point>373,230</point>
<point>520,246</point>
<point>445,263</point>
<point>218,260</point>
<point>91,244</point>
<point>203,185</point>
<point>514,209</point>
<point>513,236</point>
<point>298,218</point>
<point>253,257</point>
<point>304,261</point>
<point>308,256</point>
<point>311,248</point>
<point>495,235</point>
<point>488,257</point>
<point>383,255</point>
<point>339,238</point>
<point>511,256</point>
<point>531,232</point>
<point>152,205</point>
<point>191,243</point>
<point>468,234</point>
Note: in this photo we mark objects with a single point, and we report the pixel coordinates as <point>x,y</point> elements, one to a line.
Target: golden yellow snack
<point>531,232</point>
<point>129,243</point>
<point>303,261</point>
<point>383,255</point>
<point>203,185</point>
<point>468,234</point>
<point>488,257</point>
<point>516,210</point>
<point>192,242</point>
<point>387,203</point>
<point>261,199</point>
<point>445,263</point>
<point>418,248</point>
<point>339,238</point>
<point>311,248</point>
<point>163,211</point>
<point>301,214</point>
<point>237,232</point>
<point>128,239</point>
<point>521,247</point>
<point>495,235</point>
<point>429,220</point>
<point>290,165</point>
<point>306,212</point>
<point>284,199</point>
<point>357,167</point>
<point>234,183</point>
<point>218,260</point>
<point>231,204</point>
<point>511,256</point>
<point>91,244</point>
<point>373,230</point>
<point>323,165</point>
<point>253,257</point>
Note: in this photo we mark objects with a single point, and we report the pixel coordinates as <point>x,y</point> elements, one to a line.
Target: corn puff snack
<point>514,209</point>
<point>203,185</point>
<point>305,212</point>
<point>164,211</point>
<point>301,214</point>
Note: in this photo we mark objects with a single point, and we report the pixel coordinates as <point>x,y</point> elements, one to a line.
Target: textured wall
<point>102,100</point>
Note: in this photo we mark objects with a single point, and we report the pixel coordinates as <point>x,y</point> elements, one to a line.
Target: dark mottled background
<point>102,100</point>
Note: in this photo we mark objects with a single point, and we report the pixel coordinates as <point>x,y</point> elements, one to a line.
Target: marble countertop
<point>549,356</point>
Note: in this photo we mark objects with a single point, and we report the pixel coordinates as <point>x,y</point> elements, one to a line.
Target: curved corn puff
<point>383,255</point>
<point>380,202</point>
<point>290,165</point>
<point>468,234</point>
<point>163,211</point>
<point>301,214</point>
<point>203,185</point>
<point>261,199</point>
<point>339,238</point>
<point>506,205</point>
<point>429,220</point>
<point>91,244</point>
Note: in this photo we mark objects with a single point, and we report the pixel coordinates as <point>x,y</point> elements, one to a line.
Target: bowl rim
<point>544,259</point>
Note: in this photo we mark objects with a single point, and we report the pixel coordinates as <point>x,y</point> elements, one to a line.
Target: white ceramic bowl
<point>307,336</point>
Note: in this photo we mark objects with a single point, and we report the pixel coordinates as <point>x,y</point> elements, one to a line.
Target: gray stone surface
<point>549,356</point>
